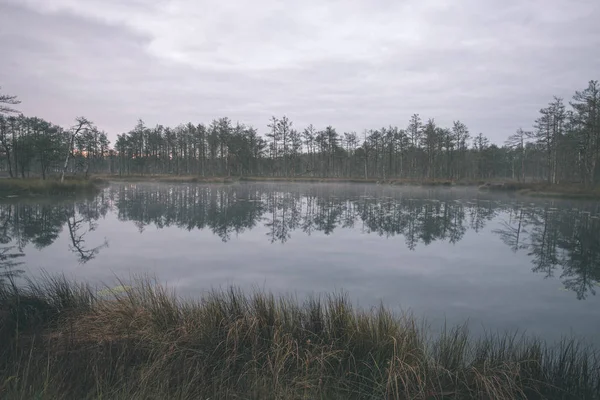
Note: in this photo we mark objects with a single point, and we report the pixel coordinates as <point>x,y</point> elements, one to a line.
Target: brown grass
<point>61,340</point>
<point>540,189</point>
<point>166,178</point>
<point>308,179</point>
<point>29,187</point>
<point>393,181</point>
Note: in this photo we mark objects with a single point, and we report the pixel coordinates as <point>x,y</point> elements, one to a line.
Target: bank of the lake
<point>298,179</point>
<point>48,187</point>
<point>62,340</point>
<point>542,189</point>
<point>534,189</point>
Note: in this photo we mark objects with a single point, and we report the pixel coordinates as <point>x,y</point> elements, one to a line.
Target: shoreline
<point>139,340</point>
<point>218,179</point>
<point>541,189</point>
<point>529,189</point>
<point>35,187</point>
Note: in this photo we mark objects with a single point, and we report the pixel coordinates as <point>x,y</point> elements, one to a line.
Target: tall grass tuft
<point>62,340</point>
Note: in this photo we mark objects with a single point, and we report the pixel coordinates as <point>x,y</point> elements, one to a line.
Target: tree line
<point>563,145</point>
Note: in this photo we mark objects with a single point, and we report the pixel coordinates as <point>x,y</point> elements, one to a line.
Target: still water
<point>455,255</point>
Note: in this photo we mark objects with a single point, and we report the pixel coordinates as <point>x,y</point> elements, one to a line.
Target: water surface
<point>453,255</point>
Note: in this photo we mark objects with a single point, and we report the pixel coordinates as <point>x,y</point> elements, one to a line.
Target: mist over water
<point>500,262</point>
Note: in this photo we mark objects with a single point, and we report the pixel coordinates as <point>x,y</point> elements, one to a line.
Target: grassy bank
<point>60,340</point>
<point>307,179</point>
<point>416,182</point>
<point>537,189</point>
<point>534,189</point>
<point>36,186</point>
<point>166,178</point>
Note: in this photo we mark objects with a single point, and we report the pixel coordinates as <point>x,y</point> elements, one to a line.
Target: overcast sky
<point>351,64</point>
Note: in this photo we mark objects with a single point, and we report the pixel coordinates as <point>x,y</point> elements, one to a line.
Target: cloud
<point>353,64</point>
<point>257,36</point>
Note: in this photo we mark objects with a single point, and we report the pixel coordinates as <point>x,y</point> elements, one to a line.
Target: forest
<point>562,145</point>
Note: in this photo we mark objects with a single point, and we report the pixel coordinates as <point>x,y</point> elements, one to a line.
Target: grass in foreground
<point>61,340</point>
<point>36,186</point>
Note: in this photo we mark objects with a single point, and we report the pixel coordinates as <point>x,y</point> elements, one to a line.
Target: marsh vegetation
<point>63,340</point>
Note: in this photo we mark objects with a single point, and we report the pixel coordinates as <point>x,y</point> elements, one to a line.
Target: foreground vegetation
<point>33,186</point>
<point>62,340</point>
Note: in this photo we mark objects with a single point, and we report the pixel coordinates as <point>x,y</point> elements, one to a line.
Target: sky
<point>351,64</point>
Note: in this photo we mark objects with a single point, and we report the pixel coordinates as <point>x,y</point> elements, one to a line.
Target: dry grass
<point>392,181</point>
<point>540,189</point>
<point>34,186</point>
<point>537,189</point>
<point>308,179</point>
<point>166,178</point>
<point>61,340</point>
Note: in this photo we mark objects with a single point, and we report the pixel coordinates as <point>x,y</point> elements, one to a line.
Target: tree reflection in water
<point>561,241</point>
<point>40,224</point>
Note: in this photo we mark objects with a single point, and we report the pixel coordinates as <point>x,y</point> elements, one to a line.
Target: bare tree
<point>82,125</point>
<point>284,126</point>
<point>517,141</point>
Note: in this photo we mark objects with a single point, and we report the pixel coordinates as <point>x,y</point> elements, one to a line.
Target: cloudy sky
<point>354,64</point>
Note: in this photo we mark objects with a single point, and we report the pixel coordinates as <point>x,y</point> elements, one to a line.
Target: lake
<point>447,254</point>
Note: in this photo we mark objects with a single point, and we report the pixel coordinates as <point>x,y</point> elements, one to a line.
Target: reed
<point>63,340</point>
